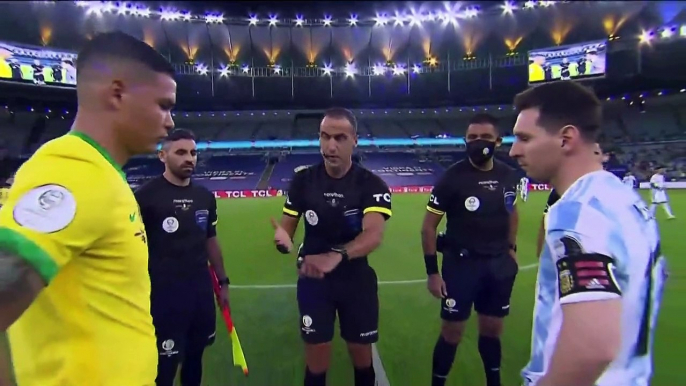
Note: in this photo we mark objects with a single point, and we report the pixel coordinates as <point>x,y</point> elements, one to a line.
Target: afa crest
<point>566,282</point>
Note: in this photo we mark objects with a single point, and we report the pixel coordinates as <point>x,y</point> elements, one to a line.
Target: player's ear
<point>115,93</point>
<point>162,155</point>
<point>498,141</point>
<point>567,134</point>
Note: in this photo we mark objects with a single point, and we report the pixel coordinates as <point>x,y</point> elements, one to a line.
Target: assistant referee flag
<point>237,350</point>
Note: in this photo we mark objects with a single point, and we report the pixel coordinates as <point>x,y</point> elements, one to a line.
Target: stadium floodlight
<point>471,12</point>
<point>378,70</point>
<point>245,69</point>
<point>508,7</point>
<point>381,20</point>
<point>398,20</point>
<point>415,20</point>
<point>350,70</point>
<point>398,70</point>
<point>353,20</point>
<point>141,12</point>
<point>667,32</point>
<point>646,36</point>
<point>273,20</point>
<point>186,16</point>
<point>122,9</point>
<point>327,69</point>
<point>543,3</point>
<point>82,4</point>
<point>277,69</point>
<point>416,69</point>
<point>170,15</point>
<point>253,20</point>
<point>201,69</point>
<point>529,4</point>
<point>327,21</point>
<point>299,21</point>
<point>224,71</point>
<point>214,18</point>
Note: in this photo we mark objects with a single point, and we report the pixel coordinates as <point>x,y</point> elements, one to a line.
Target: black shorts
<point>184,317</point>
<point>352,293</point>
<point>484,282</point>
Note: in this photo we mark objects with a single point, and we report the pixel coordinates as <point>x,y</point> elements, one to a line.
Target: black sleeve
<point>552,199</point>
<point>377,197</point>
<point>441,195</point>
<point>213,218</point>
<point>294,205</point>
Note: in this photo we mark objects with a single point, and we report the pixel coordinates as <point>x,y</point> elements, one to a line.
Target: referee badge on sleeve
<point>202,219</point>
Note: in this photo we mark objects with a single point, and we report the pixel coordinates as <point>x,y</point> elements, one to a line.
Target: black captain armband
<point>591,272</point>
<point>431,264</point>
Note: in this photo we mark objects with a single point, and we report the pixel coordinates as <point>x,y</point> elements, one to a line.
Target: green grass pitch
<point>267,319</point>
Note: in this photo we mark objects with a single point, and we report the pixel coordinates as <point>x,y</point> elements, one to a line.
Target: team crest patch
<point>311,217</point>
<point>566,280</point>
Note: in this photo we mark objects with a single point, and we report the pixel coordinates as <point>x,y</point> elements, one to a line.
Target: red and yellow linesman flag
<point>237,350</point>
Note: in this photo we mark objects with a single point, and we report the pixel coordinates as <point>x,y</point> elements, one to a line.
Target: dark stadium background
<point>475,66</point>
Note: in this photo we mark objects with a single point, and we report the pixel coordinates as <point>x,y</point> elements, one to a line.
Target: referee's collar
<point>100,150</point>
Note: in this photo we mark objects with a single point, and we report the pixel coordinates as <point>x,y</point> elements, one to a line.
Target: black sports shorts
<point>184,316</point>
<point>481,281</point>
<point>353,293</point>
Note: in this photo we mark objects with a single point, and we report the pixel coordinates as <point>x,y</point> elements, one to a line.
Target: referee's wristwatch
<point>342,251</point>
<point>223,282</point>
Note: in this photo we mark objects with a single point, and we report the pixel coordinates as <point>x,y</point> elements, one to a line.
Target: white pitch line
<point>381,377</point>
<point>392,282</point>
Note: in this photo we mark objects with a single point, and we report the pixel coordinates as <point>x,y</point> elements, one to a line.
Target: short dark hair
<point>342,113</point>
<point>120,46</point>
<point>179,134</point>
<point>564,103</point>
<point>484,119</point>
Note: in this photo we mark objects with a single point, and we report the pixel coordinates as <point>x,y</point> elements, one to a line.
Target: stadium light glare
<point>415,20</point>
<point>299,21</point>
<point>273,19</point>
<point>253,20</point>
<point>529,4</point>
<point>646,36</point>
<point>245,69</point>
<point>142,12</point>
<point>508,8</point>
<point>471,12</point>
<point>416,69</point>
<point>224,71</point>
<point>543,3</point>
<point>667,32</point>
<point>168,15</point>
<point>353,20</point>
<point>327,21</point>
<point>398,20</point>
<point>327,69</point>
<point>350,70</point>
<point>378,70</point>
<point>186,16</point>
<point>277,69</point>
<point>381,20</point>
<point>214,18</point>
<point>201,69</point>
<point>398,70</point>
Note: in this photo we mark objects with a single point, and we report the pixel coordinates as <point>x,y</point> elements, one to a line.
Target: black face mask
<point>480,151</point>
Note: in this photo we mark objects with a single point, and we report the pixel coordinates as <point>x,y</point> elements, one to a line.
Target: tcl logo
<point>385,196</point>
<point>539,187</point>
<point>434,200</point>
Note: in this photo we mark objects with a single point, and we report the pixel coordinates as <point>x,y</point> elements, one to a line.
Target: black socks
<point>490,351</point>
<point>365,377</point>
<point>444,356</point>
<point>312,379</point>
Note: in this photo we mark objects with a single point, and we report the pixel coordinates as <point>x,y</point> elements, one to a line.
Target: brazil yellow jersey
<point>72,216</point>
<point>3,195</point>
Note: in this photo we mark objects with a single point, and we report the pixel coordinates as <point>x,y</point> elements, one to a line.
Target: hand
<point>324,262</point>
<point>309,270</point>
<point>223,298</point>
<point>436,286</point>
<point>281,237</point>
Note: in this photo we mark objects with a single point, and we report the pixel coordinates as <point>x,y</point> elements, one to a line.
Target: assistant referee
<point>180,219</point>
<point>479,247</point>
<point>345,207</point>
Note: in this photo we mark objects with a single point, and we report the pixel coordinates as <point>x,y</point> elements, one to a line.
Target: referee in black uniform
<point>479,247</point>
<point>180,220</point>
<point>344,207</point>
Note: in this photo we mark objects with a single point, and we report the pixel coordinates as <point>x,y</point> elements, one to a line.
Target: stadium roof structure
<point>305,55</point>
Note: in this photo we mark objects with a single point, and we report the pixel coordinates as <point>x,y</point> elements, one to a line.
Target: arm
<point>41,230</point>
<point>590,335</point>
<point>541,237</point>
<point>435,210</point>
<point>377,209</point>
<point>213,250</point>
<point>514,215</point>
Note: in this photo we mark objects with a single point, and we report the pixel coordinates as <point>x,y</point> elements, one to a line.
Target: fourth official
<point>479,248</point>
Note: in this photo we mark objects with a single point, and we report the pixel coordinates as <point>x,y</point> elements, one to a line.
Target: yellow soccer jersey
<point>71,214</point>
<point>3,195</point>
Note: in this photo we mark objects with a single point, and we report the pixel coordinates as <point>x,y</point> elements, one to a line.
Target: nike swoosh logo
<point>132,217</point>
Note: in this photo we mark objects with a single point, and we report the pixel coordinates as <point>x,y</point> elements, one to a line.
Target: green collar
<point>100,150</point>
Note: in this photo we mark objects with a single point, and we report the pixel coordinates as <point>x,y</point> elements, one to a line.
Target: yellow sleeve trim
<point>17,244</point>
<point>434,211</point>
<point>291,212</point>
<point>378,209</point>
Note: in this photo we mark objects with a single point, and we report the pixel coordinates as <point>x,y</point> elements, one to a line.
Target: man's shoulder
<point>458,167</point>
<point>306,172</point>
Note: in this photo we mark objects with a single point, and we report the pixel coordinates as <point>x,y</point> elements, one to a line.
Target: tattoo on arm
<point>19,285</point>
